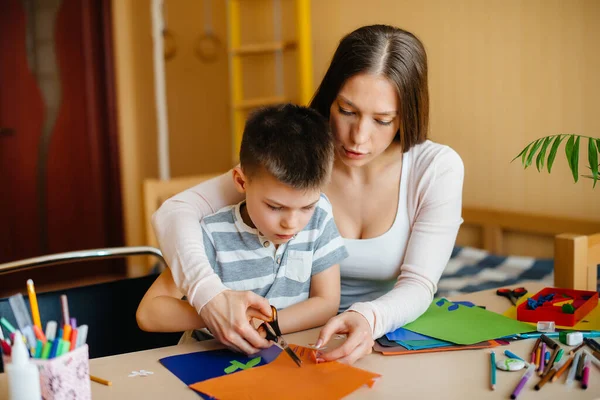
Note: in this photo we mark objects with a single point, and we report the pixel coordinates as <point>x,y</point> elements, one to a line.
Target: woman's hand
<point>358,344</point>
<point>228,316</point>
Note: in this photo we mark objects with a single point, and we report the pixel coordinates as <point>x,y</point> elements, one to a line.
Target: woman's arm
<point>438,206</point>
<point>162,310</point>
<point>322,304</point>
<point>177,227</point>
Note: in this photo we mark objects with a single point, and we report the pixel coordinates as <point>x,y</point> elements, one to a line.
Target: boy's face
<point>277,210</point>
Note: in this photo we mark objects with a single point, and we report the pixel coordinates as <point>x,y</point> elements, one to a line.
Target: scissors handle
<point>508,294</point>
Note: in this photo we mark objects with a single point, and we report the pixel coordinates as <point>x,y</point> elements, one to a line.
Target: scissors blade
<point>290,352</point>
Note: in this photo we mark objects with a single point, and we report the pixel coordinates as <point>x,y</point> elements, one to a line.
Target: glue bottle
<point>23,375</point>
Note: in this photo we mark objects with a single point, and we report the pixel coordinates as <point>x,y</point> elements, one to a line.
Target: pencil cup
<point>64,377</point>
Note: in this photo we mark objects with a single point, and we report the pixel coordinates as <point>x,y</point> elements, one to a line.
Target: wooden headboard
<point>508,232</point>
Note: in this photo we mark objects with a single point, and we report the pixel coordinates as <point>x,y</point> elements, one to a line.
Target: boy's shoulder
<point>225,215</point>
<point>323,213</point>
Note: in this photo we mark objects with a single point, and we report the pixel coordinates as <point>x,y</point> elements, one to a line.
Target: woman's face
<point>364,118</point>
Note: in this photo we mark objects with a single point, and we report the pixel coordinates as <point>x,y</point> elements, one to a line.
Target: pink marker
<point>585,380</point>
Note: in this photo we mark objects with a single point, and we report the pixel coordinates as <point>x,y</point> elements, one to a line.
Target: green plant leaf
<point>522,154</point>
<point>532,152</point>
<point>539,162</point>
<point>575,159</point>
<point>569,150</point>
<point>593,159</point>
<point>553,150</point>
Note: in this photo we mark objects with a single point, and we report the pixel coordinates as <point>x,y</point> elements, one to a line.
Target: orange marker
<point>39,334</point>
<point>562,369</point>
<point>66,332</point>
<point>73,339</point>
<point>538,352</point>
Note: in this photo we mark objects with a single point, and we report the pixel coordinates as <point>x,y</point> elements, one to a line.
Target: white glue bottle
<point>23,375</point>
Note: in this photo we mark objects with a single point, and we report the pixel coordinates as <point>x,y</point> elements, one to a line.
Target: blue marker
<point>510,354</point>
<point>55,343</point>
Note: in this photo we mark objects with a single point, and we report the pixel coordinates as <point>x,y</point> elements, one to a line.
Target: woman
<point>396,200</point>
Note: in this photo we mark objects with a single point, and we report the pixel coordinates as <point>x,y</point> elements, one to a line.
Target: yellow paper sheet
<point>590,322</point>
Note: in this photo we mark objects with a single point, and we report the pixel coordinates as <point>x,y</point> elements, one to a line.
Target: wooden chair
<point>156,191</point>
<point>576,260</point>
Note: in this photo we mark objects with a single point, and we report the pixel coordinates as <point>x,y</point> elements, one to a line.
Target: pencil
<point>35,311</point>
<point>562,369</point>
<point>545,379</point>
<point>573,351</point>
<point>100,380</point>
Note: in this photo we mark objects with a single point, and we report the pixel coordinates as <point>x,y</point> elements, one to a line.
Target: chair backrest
<point>109,311</point>
<point>576,261</point>
<point>156,191</point>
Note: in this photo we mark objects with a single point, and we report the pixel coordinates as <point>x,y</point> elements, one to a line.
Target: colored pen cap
<point>82,332</point>
<point>51,327</point>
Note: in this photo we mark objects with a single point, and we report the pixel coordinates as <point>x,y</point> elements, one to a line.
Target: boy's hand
<point>228,315</point>
<point>358,344</point>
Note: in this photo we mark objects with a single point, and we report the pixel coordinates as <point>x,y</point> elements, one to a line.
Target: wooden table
<point>451,375</point>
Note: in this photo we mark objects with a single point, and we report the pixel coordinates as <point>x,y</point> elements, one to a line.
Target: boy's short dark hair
<point>291,142</point>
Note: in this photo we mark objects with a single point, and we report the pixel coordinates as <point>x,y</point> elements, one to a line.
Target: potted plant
<point>549,145</point>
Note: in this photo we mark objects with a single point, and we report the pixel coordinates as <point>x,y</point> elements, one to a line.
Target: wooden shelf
<point>261,48</point>
<point>257,102</point>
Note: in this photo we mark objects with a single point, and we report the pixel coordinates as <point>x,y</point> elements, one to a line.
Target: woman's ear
<point>239,179</point>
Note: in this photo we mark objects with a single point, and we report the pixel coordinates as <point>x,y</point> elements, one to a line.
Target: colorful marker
<point>526,376</point>
<point>493,370</point>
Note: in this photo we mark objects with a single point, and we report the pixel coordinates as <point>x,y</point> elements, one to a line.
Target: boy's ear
<point>239,179</point>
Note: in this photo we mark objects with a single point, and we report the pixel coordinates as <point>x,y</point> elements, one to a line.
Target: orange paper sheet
<point>283,379</point>
<point>590,322</point>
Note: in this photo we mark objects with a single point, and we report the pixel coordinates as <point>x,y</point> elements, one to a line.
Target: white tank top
<point>373,265</point>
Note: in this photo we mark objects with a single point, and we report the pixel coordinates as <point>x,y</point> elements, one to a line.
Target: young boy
<point>281,242</point>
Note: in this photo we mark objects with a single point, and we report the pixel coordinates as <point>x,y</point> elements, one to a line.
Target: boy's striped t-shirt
<point>246,260</point>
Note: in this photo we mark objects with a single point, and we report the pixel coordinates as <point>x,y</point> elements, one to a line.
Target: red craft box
<point>554,313</point>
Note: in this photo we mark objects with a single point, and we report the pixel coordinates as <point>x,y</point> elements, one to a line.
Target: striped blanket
<point>471,270</point>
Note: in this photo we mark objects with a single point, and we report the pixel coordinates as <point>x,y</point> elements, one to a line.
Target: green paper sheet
<point>464,325</point>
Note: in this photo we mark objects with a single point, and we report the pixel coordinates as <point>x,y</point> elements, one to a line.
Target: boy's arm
<point>162,310</point>
<point>322,304</point>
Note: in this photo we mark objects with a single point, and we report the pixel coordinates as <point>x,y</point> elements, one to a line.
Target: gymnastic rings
<point>207,47</point>
<point>170,48</point>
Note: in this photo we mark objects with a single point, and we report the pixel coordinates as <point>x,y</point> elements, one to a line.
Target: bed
<point>497,248</point>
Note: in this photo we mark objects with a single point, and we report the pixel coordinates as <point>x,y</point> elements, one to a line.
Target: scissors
<point>512,294</point>
<point>274,334</point>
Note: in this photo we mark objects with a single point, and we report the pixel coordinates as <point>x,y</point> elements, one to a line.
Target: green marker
<point>7,325</point>
<point>559,356</point>
<point>46,350</point>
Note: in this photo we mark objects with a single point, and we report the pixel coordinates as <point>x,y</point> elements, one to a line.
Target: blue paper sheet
<point>405,334</point>
<point>200,366</point>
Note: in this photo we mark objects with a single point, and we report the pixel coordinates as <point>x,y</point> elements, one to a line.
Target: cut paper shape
<point>464,325</point>
<point>282,379</point>
<point>141,372</point>
<point>590,322</point>
<point>194,367</point>
<point>235,365</point>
